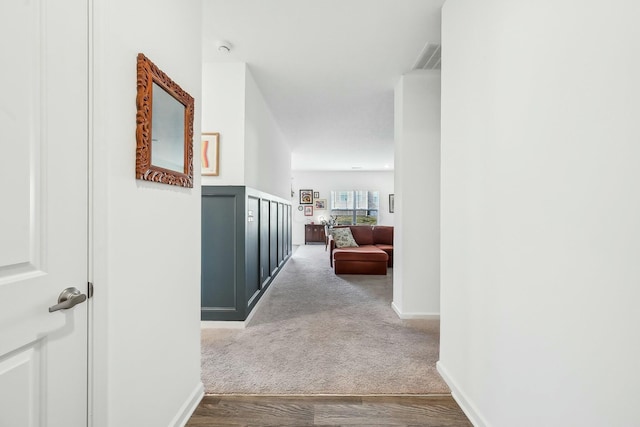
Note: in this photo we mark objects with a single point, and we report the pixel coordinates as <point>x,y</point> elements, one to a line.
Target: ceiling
<point>327,69</point>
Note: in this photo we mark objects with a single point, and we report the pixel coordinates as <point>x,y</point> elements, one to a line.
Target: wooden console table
<point>314,233</point>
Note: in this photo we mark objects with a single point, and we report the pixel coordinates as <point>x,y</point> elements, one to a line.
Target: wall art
<point>210,153</point>
<point>306,197</point>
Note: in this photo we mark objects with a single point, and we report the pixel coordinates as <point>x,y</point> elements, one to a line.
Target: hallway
<point>318,333</point>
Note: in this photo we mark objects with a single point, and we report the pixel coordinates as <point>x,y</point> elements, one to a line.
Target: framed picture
<point>306,197</point>
<point>210,154</point>
<point>308,211</point>
<point>391,203</point>
<point>320,204</point>
<point>316,194</point>
<point>300,208</point>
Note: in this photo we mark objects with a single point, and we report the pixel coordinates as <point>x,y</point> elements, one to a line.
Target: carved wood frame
<point>149,73</point>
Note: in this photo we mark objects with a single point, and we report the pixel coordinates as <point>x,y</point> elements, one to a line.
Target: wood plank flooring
<point>371,411</point>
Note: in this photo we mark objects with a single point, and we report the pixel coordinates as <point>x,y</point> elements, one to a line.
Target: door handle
<point>67,299</point>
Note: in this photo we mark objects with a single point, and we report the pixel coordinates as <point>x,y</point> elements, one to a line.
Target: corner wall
<point>145,236</point>
<point>223,106</point>
<point>416,272</point>
<point>253,150</point>
<point>540,211</point>
<point>267,155</point>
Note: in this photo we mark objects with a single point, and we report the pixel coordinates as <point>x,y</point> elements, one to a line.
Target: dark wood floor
<point>261,411</point>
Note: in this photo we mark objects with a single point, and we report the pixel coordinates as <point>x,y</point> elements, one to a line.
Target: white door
<point>43,211</point>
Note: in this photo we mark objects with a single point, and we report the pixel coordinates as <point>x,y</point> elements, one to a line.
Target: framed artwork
<point>300,208</point>
<point>391,203</point>
<point>316,194</point>
<point>306,197</point>
<point>210,154</point>
<point>320,204</point>
<point>308,211</point>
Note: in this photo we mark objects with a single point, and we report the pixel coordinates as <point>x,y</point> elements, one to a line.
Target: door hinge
<point>90,289</point>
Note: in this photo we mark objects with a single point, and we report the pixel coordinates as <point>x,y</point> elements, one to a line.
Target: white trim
<point>222,324</point>
<point>407,316</point>
<point>92,336</point>
<point>467,406</point>
<point>189,406</point>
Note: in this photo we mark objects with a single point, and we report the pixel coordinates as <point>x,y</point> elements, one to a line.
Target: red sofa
<point>372,256</point>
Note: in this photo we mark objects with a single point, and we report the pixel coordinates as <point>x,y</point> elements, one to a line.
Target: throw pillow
<point>344,238</point>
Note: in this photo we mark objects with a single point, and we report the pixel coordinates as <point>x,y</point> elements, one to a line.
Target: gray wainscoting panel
<point>245,241</point>
<point>265,270</point>
<point>273,237</point>
<point>252,243</point>
<point>280,233</point>
<point>222,275</point>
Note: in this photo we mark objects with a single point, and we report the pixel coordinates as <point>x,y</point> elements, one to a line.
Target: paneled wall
<point>246,239</point>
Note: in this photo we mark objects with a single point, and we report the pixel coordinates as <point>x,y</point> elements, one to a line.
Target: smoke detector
<point>223,46</point>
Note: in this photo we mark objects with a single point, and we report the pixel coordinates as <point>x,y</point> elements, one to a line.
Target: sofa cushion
<point>383,234</point>
<point>343,238</point>
<point>362,253</point>
<point>389,250</point>
<point>363,234</point>
<point>384,247</point>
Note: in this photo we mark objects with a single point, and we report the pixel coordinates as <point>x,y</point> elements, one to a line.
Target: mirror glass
<point>167,131</point>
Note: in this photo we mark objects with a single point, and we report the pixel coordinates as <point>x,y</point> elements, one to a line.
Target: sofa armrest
<point>332,246</point>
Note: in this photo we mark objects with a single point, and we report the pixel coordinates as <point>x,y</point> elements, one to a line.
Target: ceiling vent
<point>429,58</point>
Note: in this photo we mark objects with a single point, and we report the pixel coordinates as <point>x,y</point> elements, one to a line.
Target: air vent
<point>429,58</point>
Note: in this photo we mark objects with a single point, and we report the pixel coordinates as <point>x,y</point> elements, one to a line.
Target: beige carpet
<point>318,333</point>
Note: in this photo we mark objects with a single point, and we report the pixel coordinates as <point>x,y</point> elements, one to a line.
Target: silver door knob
<point>67,299</point>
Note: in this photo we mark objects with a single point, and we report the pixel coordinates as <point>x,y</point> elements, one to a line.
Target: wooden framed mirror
<point>164,128</point>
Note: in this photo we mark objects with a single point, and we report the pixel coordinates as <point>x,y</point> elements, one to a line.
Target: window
<point>355,207</point>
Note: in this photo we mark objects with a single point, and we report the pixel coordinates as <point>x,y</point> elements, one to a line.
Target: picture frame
<point>392,203</point>
<point>164,146</point>
<point>306,197</point>
<point>308,211</point>
<point>300,208</point>
<point>320,204</point>
<point>316,194</point>
<point>210,153</point>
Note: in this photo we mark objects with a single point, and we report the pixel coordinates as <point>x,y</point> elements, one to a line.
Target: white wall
<point>416,247</point>
<point>253,150</point>
<point>267,155</point>
<point>325,182</point>
<point>540,211</point>
<point>146,251</point>
<point>223,106</point>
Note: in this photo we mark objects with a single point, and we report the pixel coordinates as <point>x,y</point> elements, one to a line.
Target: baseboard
<point>188,407</point>
<point>407,316</point>
<point>469,409</point>
<point>222,324</point>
